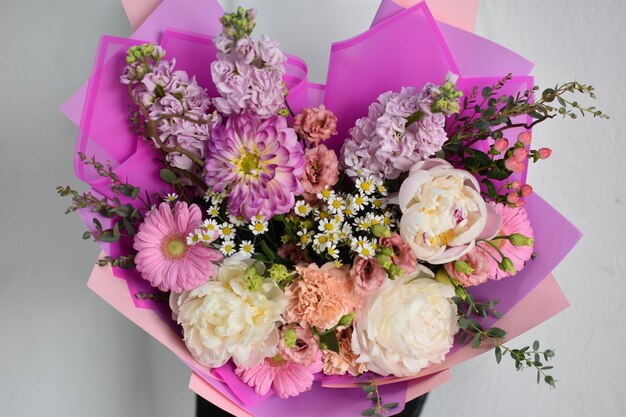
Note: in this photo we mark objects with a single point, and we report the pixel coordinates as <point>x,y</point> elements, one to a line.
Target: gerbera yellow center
<point>175,247</point>
<point>248,163</point>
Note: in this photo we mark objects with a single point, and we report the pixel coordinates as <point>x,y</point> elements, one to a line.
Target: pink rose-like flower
<point>402,256</point>
<point>286,377</point>
<point>306,348</point>
<point>480,264</point>
<point>367,275</point>
<point>316,124</point>
<point>321,296</point>
<point>164,258</point>
<point>344,361</point>
<point>322,170</point>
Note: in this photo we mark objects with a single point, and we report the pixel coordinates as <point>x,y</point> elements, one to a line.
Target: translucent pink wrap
<point>406,46</point>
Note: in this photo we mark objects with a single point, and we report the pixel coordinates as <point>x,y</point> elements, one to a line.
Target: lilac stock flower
<point>382,145</point>
<point>249,76</point>
<point>258,162</point>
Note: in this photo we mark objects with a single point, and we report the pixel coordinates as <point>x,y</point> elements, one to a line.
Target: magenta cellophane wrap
<point>360,69</point>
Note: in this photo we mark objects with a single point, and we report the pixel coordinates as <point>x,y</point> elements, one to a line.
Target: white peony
<point>443,212</point>
<point>223,319</point>
<point>407,325</point>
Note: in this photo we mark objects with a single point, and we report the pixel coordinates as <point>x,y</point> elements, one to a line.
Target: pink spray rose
<point>479,268</point>
<point>367,275</point>
<point>402,256</point>
<point>322,170</point>
<point>316,124</point>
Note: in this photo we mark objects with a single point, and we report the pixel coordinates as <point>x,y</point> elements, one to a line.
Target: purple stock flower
<point>258,162</point>
<point>382,145</point>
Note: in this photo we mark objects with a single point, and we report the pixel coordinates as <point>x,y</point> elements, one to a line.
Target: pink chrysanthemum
<point>514,220</point>
<point>288,378</point>
<point>260,164</point>
<point>164,258</point>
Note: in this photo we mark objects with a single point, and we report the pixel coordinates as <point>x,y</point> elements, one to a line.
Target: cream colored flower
<point>223,319</point>
<point>443,212</point>
<point>406,325</point>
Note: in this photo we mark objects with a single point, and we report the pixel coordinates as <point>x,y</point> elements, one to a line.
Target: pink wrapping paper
<point>527,300</point>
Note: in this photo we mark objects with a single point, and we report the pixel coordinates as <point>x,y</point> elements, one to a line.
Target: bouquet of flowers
<point>291,242</point>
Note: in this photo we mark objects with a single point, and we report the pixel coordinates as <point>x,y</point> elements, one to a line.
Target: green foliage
<point>379,408</point>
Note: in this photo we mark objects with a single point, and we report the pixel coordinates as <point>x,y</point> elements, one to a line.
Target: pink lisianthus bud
<point>512,197</point>
<point>316,124</point>
<point>526,190</point>
<point>525,138</point>
<point>520,154</point>
<point>544,153</point>
<point>501,145</point>
<point>513,164</point>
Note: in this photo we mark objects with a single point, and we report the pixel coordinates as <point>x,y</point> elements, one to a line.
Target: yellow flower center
<point>175,247</point>
<point>249,163</point>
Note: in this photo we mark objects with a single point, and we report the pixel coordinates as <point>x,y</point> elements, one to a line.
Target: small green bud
<point>387,251</point>
<point>308,224</point>
<point>290,337</point>
<point>254,281</point>
<point>278,273</point>
<point>518,239</point>
<point>442,277</point>
<point>394,271</point>
<point>384,261</point>
<point>380,230</point>
<point>347,319</point>
<point>507,265</point>
<point>283,112</point>
<point>463,267</point>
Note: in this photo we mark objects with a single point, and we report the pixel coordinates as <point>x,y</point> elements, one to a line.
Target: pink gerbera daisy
<point>286,377</point>
<point>514,220</point>
<point>164,258</point>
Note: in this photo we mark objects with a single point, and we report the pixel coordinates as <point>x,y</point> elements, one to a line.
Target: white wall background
<point>64,352</point>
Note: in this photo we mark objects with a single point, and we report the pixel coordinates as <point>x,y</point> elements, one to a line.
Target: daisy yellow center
<point>248,163</point>
<point>175,247</point>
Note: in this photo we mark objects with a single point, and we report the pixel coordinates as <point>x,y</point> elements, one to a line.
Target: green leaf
<point>480,157</point>
<point>330,340</point>
<point>116,230</point>
<point>135,193</point>
<point>268,252</point>
<point>486,93</point>
<point>369,388</point>
<point>496,332</point>
<point>536,345</point>
<point>168,176</point>
<point>86,235</point>
<point>389,406</point>
<point>97,223</point>
<point>108,236</point>
<point>462,338</point>
<point>498,173</point>
<point>130,229</point>
<point>498,354</point>
<point>369,412</point>
<point>476,341</point>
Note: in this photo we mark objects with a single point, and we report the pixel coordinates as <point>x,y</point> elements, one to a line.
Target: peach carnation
<point>321,296</point>
<point>344,361</point>
<point>316,124</point>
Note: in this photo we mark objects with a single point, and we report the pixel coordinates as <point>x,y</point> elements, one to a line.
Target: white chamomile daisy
<point>227,231</point>
<point>389,218</point>
<point>374,219</point>
<point>320,242</point>
<point>217,199</point>
<point>362,223</point>
<point>246,247</point>
<point>237,220</point>
<point>171,197</point>
<point>379,203</point>
<point>211,226</point>
<point>332,250</point>
<point>213,211</point>
<point>366,251</point>
<point>207,195</point>
<point>258,227</point>
<point>360,201</point>
<point>382,190</point>
<point>336,204</point>
<point>302,208</point>
<point>346,232</point>
<point>149,212</point>
<point>320,214</point>
<point>304,238</point>
<point>329,225</point>
<point>325,194</point>
<point>227,247</point>
<point>366,185</point>
<point>193,238</point>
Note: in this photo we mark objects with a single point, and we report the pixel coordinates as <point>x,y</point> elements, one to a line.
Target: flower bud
<point>347,319</point>
<point>525,138</point>
<point>518,239</point>
<point>463,267</point>
<point>526,190</point>
<point>513,164</point>
<point>512,197</point>
<point>515,185</point>
<point>442,277</point>
<point>394,271</point>
<point>386,251</point>
<point>290,337</point>
<point>384,261</point>
<point>380,230</point>
<point>278,273</point>
<point>254,281</point>
<point>501,145</point>
<point>544,153</point>
<point>507,265</point>
<point>520,154</point>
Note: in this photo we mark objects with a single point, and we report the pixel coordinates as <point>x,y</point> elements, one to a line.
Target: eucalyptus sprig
<point>472,329</point>
<point>373,394</point>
